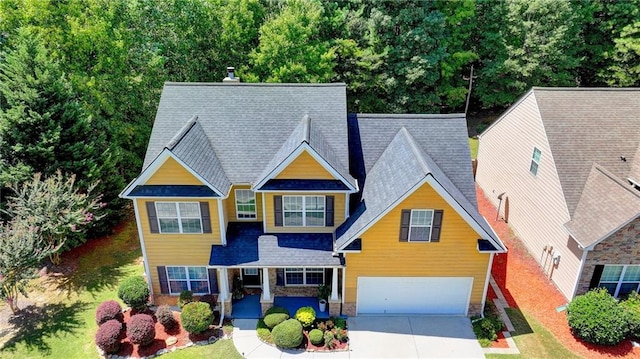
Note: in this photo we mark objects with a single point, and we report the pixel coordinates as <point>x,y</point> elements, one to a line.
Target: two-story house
<point>275,187</point>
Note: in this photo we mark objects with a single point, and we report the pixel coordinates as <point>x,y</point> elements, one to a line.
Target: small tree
<point>56,209</point>
<point>21,250</point>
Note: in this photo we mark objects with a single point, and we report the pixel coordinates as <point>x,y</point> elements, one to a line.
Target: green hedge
<point>196,317</point>
<point>134,291</point>
<point>316,336</point>
<point>273,319</point>
<point>596,317</point>
<point>288,334</point>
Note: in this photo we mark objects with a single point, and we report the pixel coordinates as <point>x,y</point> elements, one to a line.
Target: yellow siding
<point>177,249</point>
<point>230,205</point>
<point>339,203</point>
<point>384,256</point>
<point>171,172</point>
<point>304,167</point>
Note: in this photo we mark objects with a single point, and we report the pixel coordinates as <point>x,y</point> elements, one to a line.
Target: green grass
<point>533,340</point>
<point>473,146</point>
<point>64,327</point>
<point>222,349</point>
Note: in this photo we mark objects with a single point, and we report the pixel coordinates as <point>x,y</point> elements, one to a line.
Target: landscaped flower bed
<point>303,332</point>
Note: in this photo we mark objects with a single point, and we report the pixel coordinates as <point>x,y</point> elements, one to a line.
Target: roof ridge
<point>306,131</point>
<point>408,115</point>
<point>181,133</point>
<point>615,179</point>
<point>614,89</point>
<point>417,152</point>
<point>253,84</point>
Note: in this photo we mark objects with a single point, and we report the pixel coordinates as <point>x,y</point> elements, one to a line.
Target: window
<point>535,161</point>
<point>195,279</point>
<point>420,225</point>
<point>620,280</point>
<point>303,276</point>
<point>245,204</point>
<point>179,217</point>
<point>250,271</point>
<point>303,210</point>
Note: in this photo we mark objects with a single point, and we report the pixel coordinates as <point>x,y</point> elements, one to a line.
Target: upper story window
<point>245,204</point>
<point>420,225</point>
<point>303,211</point>
<point>179,217</point>
<point>535,161</point>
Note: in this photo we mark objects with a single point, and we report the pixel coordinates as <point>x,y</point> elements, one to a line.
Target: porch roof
<point>247,245</point>
<point>303,185</point>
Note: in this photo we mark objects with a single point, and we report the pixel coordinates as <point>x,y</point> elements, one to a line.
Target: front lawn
<point>61,321</point>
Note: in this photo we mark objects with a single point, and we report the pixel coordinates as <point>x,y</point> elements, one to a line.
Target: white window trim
<point>620,281</point>
<point>420,226</point>
<point>304,277</point>
<point>188,280</point>
<point>304,211</point>
<point>533,160</point>
<point>255,205</point>
<point>244,271</point>
<point>179,217</point>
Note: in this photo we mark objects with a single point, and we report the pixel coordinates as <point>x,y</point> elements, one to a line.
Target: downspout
<point>486,285</point>
<point>221,313</point>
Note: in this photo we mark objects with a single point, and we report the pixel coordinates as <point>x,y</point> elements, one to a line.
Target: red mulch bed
<point>310,347</point>
<point>500,343</point>
<point>525,286</point>
<point>129,349</point>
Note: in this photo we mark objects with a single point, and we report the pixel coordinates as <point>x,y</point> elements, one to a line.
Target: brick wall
<point>623,247</point>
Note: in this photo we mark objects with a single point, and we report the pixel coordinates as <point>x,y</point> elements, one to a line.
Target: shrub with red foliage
<point>141,329</point>
<point>108,310</point>
<point>108,336</point>
<point>166,318</point>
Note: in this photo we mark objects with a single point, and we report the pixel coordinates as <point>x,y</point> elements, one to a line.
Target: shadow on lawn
<point>35,324</point>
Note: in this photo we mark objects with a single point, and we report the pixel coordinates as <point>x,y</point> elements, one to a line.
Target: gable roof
<point>402,168</point>
<point>306,136</point>
<point>587,125</point>
<point>443,136</point>
<point>613,202</point>
<point>247,124</point>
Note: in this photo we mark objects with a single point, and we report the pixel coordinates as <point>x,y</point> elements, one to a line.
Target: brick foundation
<point>334,308</point>
<point>165,300</point>
<point>474,309</point>
<point>282,291</point>
<point>349,309</point>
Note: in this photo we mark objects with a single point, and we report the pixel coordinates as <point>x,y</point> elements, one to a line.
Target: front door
<point>251,277</point>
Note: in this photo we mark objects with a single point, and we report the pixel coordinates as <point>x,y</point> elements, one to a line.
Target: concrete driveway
<point>376,337</point>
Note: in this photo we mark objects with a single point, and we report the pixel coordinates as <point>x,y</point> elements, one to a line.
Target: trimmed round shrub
<point>288,334</point>
<point>316,337</point>
<point>108,310</point>
<point>196,317</point>
<point>108,336</point>
<point>596,317</point>
<point>134,291</point>
<point>276,310</point>
<point>631,307</point>
<point>141,329</point>
<point>273,319</point>
<point>306,316</point>
<point>186,296</point>
<point>164,314</point>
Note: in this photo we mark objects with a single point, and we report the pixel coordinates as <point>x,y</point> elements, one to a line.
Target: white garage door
<point>414,295</point>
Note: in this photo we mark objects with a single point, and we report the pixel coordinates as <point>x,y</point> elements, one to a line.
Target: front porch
<point>249,307</point>
<point>257,271</point>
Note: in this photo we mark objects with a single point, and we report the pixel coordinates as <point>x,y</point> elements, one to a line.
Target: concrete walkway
<point>374,337</point>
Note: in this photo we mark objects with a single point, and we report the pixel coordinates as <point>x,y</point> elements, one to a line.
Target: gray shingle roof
<point>248,123</point>
<point>587,125</point>
<point>610,200</point>
<point>306,132</point>
<point>402,165</point>
<point>192,147</point>
<point>443,137</point>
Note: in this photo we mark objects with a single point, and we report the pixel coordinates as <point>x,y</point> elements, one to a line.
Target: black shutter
<point>206,217</point>
<point>277,208</point>
<point>436,225</point>
<point>162,278</point>
<point>328,211</point>
<point>213,281</point>
<point>404,225</point>
<point>279,276</point>
<point>597,274</point>
<point>153,218</point>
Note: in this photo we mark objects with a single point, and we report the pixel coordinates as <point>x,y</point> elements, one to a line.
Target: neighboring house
<point>563,166</point>
<point>273,185</point>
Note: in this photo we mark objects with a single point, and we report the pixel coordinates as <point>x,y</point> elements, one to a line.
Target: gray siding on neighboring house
<point>623,247</point>
<point>536,205</point>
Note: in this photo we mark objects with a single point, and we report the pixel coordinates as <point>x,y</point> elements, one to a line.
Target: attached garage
<point>414,295</point>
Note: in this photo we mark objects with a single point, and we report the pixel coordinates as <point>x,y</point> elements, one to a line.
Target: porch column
<point>266,294</point>
<point>334,284</point>
<point>224,284</point>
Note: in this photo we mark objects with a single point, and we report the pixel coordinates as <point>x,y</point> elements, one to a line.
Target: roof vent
<point>231,76</point>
